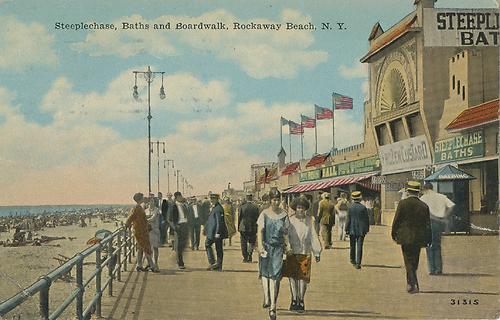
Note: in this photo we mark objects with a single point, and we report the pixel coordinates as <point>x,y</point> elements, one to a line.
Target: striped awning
<point>318,185</point>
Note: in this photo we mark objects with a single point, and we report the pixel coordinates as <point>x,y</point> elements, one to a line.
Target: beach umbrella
<point>449,173</point>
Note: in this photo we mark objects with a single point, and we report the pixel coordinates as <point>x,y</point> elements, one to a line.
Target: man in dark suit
<point>411,229</point>
<point>215,232</point>
<point>357,226</point>
<point>247,226</point>
<point>179,221</point>
<point>195,223</point>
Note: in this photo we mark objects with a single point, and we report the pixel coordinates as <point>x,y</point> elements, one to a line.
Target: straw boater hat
<point>325,195</point>
<point>138,196</point>
<point>413,186</point>
<point>213,195</point>
<point>300,201</point>
<point>356,195</point>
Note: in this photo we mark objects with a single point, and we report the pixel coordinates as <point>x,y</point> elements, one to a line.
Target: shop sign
<point>352,167</point>
<point>405,155</point>
<point>310,175</point>
<point>418,174</point>
<point>464,146</point>
<point>461,27</point>
<point>379,179</point>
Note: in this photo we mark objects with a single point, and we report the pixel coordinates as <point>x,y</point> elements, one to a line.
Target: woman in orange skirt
<point>303,240</point>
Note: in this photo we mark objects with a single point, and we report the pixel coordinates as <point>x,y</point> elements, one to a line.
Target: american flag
<point>341,102</point>
<point>307,122</point>
<point>283,121</point>
<point>323,113</point>
<point>295,128</point>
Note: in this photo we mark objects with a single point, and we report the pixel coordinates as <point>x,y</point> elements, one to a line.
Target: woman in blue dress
<point>273,243</point>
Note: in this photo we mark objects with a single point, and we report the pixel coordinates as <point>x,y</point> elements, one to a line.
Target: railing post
<point>98,280</point>
<point>79,284</point>
<point>129,253</point>
<point>44,298</point>
<point>125,250</point>
<point>119,257</point>
<point>110,267</point>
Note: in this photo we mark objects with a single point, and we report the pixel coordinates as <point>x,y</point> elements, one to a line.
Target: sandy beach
<point>23,265</point>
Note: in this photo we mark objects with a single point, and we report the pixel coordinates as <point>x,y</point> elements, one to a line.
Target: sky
<point>72,133</point>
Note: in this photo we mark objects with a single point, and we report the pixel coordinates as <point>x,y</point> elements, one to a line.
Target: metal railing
<point>120,246</point>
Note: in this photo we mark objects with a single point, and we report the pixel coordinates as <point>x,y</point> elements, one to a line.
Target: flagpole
<point>333,121</point>
<point>281,134</point>
<point>290,136</point>
<point>315,132</point>
<point>302,142</point>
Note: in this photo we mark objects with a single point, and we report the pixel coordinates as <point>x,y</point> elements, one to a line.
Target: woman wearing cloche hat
<point>303,241</point>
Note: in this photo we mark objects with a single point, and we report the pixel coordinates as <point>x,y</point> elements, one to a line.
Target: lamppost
<point>149,76</point>
<point>176,173</point>
<point>166,165</point>
<point>158,156</point>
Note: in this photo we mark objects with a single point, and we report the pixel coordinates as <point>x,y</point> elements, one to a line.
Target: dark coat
<point>215,223</point>
<point>173,216</point>
<point>357,223</point>
<point>412,223</point>
<point>247,218</point>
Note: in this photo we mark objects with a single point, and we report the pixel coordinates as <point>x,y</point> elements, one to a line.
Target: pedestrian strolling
<point>341,208</point>
<point>247,226</point>
<point>229,218</point>
<point>411,229</point>
<point>326,211</point>
<point>273,224</point>
<point>178,220</point>
<point>137,219</point>
<point>215,231</point>
<point>439,207</point>
<point>303,240</point>
<point>154,221</point>
<point>195,223</point>
<point>357,226</point>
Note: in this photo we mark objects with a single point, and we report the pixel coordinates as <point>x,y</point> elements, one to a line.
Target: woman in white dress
<point>154,229</point>
<point>303,241</point>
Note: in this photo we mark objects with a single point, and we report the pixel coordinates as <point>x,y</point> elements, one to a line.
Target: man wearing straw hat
<point>411,229</point>
<point>326,217</point>
<point>357,226</point>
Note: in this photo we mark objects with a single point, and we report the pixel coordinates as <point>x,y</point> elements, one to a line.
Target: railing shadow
<point>466,275</point>
<point>380,266</point>
<point>461,292</point>
<point>337,313</point>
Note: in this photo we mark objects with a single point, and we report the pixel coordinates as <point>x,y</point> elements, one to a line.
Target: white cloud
<point>23,45</point>
<point>126,43</point>
<point>184,93</point>
<point>261,54</point>
<point>359,70</point>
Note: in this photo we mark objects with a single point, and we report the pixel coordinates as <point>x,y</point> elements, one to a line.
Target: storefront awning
<point>476,116</point>
<point>312,186</point>
<point>317,160</point>
<point>449,173</point>
<point>291,168</point>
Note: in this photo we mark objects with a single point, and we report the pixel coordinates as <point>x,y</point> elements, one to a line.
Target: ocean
<point>6,211</point>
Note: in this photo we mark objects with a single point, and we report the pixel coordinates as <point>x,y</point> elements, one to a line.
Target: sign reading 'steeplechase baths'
<point>461,27</point>
<point>409,154</point>
<point>464,146</point>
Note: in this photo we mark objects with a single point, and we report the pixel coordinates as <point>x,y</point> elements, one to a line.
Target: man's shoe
<point>139,269</point>
<point>182,267</point>
<point>213,267</point>
<point>293,306</point>
<point>272,314</point>
<point>266,304</point>
<point>300,307</point>
<point>353,262</point>
<point>357,266</point>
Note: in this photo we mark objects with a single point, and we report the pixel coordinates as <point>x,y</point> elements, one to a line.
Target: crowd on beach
<point>24,228</point>
<point>286,233</point>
